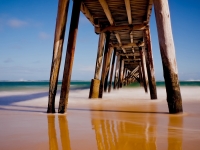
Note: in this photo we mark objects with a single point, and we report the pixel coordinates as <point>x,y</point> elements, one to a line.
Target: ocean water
<point>74,85</point>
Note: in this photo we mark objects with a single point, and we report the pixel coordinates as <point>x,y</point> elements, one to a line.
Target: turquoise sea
<point>75,85</point>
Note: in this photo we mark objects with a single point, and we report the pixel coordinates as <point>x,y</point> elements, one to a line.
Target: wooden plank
<point>104,67</point>
<point>112,69</point>
<point>150,66</point>
<point>167,50</point>
<point>57,52</point>
<point>107,11</point>
<point>69,57</point>
<point>128,10</point>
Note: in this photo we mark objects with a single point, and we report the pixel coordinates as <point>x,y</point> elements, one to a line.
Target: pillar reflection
<point>53,144</point>
<point>175,132</point>
<point>118,134</point>
<point>64,133</point>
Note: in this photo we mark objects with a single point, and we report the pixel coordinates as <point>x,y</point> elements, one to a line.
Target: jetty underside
<point>124,44</point>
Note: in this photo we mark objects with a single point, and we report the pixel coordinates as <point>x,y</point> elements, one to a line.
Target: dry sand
<point>124,119</point>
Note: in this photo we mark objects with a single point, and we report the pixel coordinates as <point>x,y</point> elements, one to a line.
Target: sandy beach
<point>124,119</point>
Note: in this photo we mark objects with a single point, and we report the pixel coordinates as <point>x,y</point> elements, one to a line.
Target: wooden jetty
<point>124,38</point>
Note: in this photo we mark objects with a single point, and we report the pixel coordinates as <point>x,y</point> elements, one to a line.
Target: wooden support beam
<point>150,66</point>
<point>144,72</point>
<point>129,45</point>
<point>104,67</point>
<point>121,72</point>
<point>149,10</point>
<point>99,56</point>
<point>117,68</point>
<point>140,74</point>
<point>57,52</point>
<point>128,10</point>
<point>108,68</point>
<point>167,50</point>
<point>69,57</point>
<point>131,38</point>
<point>113,28</point>
<point>112,69</point>
<point>107,11</point>
<point>87,13</point>
<point>94,86</point>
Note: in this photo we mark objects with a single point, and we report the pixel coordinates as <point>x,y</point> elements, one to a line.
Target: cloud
<point>8,60</point>
<point>16,23</point>
<point>43,35</point>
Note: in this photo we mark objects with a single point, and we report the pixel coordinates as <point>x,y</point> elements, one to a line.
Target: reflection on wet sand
<point>175,133</point>
<point>53,144</point>
<point>114,134</point>
<point>64,133</point>
<point>138,131</point>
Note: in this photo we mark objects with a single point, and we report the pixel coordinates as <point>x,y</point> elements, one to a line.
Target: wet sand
<point>124,119</point>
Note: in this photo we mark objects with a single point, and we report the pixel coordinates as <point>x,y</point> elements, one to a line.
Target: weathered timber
<point>108,68</point>
<point>112,69</point>
<point>167,50</point>
<point>99,56</point>
<point>121,73</point>
<point>117,67</point>
<point>140,74</point>
<point>150,66</point>
<point>124,76</point>
<point>128,10</point>
<point>143,64</point>
<point>123,27</point>
<point>104,67</point>
<point>94,88</point>
<point>129,45</point>
<point>69,56</point>
<point>107,11</point>
<point>57,52</point>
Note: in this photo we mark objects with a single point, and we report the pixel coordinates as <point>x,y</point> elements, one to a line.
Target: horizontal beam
<point>123,27</point>
<point>129,45</point>
<point>130,54</point>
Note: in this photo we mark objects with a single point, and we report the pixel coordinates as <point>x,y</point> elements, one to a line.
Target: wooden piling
<point>69,56</point>
<point>150,66</point>
<point>140,74</point>
<point>116,79</point>
<point>104,67</point>
<point>108,68</point>
<point>57,52</point>
<point>94,86</point>
<point>119,78</point>
<point>143,64</point>
<point>112,68</point>
<point>167,50</point>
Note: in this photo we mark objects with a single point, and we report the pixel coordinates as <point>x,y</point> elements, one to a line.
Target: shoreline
<point>123,119</point>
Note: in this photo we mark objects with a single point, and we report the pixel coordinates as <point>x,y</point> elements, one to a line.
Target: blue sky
<point>27,33</point>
